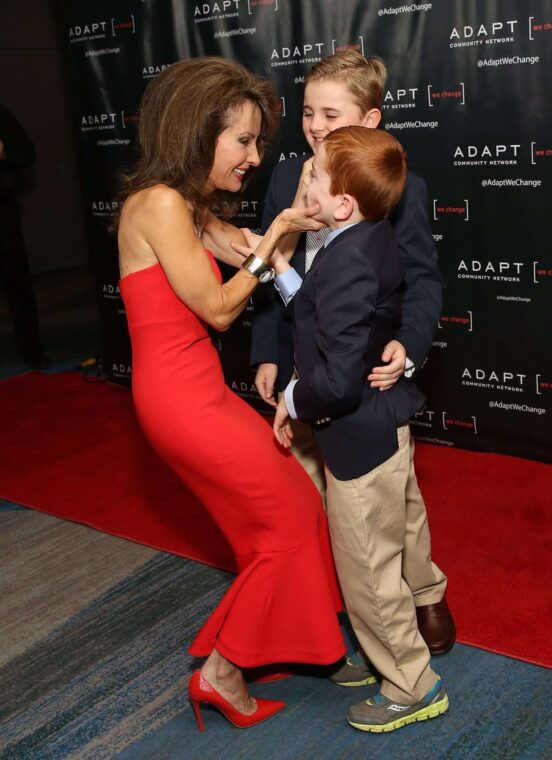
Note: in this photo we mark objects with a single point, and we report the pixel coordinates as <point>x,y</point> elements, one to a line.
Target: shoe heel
<point>197,711</point>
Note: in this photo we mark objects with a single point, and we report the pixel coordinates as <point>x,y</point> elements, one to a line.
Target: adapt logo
<point>291,154</point>
<point>148,72</point>
<point>215,10</point>
<point>492,379</point>
<point>401,97</point>
<point>93,122</point>
<point>93,30</point>
<point>448,210</point>
<point>121,369</point>
<point>105,208</point>
<point>491,33</point>
<point>99,30</point>
<point>424,419</point>
<point>244,388</point>
<point>487,155</point>
<point>111,291</point>
<point>248,209</point>
<point>497,271</point>
<point>310,52</point>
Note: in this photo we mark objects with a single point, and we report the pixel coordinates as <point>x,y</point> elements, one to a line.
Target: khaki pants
<point>308,454</point>
<point>426,581</point>
<point>369,530</point>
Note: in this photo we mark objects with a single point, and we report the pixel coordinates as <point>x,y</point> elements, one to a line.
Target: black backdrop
<point>468,96</point>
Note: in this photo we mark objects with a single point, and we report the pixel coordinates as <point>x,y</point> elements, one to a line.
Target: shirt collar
<point>334,233</point>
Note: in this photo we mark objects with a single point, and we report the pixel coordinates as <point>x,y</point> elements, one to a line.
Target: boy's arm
<point>422,300</point>
<point>346,293</point>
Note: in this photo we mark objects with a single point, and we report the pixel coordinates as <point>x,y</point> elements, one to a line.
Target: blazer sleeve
<point>422,300</point>
<point>346,296</point>
<point>268,306</point>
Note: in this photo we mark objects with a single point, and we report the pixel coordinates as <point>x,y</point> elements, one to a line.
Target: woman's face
<point>329,104</point>
<point>236,149</point>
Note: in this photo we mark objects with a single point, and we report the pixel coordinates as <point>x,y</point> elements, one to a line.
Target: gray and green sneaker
<point>354,672</point>
<point>381,714</point>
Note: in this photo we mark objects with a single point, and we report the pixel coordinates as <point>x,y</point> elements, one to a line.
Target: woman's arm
<point>217,236</point>
<point>162,218</point>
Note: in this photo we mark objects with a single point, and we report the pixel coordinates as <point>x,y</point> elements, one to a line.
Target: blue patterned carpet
<point>106,677</point>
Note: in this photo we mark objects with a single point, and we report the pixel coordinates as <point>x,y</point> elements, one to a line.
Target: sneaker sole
<point>363,682</point>
<point>431,711</point>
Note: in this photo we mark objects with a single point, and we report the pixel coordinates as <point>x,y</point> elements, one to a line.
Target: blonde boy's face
<point>329,104</point>
<point>318,190</point>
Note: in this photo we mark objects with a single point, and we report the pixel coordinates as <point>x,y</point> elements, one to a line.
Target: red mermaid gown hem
<point>282,605</point>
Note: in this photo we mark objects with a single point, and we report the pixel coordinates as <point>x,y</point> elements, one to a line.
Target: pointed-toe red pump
<point>201,691</point>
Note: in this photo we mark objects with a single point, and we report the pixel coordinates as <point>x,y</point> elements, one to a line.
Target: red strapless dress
<point>282,606</point>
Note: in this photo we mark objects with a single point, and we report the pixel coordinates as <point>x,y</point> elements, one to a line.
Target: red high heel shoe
<point>200,690</point>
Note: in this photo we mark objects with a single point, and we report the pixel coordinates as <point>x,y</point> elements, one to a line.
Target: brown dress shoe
<point>437,627</point>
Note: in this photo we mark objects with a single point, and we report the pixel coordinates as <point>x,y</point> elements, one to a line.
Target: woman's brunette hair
<point>183,111</point>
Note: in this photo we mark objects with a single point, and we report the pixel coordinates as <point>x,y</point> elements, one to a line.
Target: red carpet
<point>73,449</point>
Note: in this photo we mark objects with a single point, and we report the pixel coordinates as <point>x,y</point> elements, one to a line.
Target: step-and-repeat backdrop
<point>468,95</point>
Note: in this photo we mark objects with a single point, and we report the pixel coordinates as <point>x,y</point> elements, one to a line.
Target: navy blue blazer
<point>271,335</point>
<point>348,308</point>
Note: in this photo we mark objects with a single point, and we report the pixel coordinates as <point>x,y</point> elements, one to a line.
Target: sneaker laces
<point>377,700</point>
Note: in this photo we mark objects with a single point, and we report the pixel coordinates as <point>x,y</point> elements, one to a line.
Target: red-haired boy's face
<point>318,190</point>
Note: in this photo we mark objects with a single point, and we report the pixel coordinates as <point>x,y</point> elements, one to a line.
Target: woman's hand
<point>291,220</point>
<point>298,219</point>
<point>282,427</point>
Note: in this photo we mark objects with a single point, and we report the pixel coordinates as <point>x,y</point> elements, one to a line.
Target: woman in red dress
<point>203,126</point>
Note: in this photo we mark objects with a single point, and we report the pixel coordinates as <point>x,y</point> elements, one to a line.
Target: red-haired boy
<point>346,310</point>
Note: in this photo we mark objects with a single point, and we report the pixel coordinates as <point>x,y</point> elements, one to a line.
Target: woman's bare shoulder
<point>156,200</point>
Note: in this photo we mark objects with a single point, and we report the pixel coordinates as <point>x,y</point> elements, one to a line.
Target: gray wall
<point>34,86</point>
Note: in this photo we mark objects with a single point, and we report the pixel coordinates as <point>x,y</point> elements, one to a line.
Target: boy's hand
<point>282,428</point>
<point>252,242</point>
<point>252,238</point>
<point>264,382</point>
<point>385,377</point>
